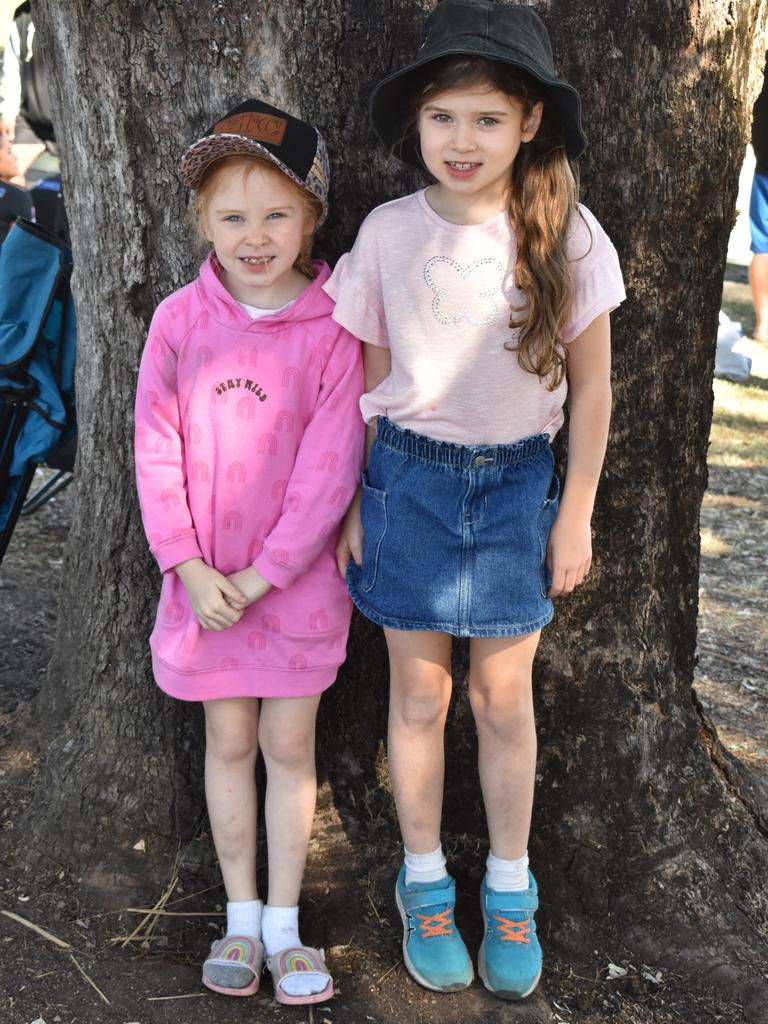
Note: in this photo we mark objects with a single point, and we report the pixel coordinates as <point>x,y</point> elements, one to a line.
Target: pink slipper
<point>299,960</point>
<point>234,955</point>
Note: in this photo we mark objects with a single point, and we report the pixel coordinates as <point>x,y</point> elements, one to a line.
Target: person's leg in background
<point>758,268</point>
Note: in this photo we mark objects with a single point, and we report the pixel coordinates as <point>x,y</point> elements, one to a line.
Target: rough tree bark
<point>642,818</point>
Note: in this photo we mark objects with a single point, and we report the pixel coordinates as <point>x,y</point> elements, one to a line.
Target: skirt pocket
<point>373,514</point>
<point>544,520</point>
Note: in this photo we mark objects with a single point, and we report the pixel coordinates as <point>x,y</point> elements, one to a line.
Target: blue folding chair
<point>37,366</point>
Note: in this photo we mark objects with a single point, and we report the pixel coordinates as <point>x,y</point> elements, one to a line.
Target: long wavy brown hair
<point>542,201</point>
<point>247,162</point>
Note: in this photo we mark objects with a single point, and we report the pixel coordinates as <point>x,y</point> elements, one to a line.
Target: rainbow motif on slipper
<point>299,960</point>
<point>236,951</point>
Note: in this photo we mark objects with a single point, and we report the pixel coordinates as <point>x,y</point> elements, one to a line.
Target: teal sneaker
<point>433,950</point>
<point>510,955</point>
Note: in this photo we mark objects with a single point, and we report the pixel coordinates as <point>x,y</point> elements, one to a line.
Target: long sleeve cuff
<point>177,550</point>
<point>275,572</point>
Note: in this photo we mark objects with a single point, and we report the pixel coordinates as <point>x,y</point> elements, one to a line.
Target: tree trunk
<point>651,822</point>
<point>641,817</point>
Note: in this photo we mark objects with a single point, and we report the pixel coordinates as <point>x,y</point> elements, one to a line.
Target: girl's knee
<point>504,705</point>
<point>288,748</point>
<point>231,735</point>
<point>421,702</point>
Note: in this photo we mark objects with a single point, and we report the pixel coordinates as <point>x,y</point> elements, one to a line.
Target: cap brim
<point>390,96</point>
<point>205,151</point>
<point>210,148</point>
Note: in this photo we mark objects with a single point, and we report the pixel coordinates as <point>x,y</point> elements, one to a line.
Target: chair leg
<point>44,494</point>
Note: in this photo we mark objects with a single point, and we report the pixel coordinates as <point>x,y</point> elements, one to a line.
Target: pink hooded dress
<point>248,450</point>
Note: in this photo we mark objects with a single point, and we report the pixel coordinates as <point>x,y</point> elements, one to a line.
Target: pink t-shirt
<point>438,295</point>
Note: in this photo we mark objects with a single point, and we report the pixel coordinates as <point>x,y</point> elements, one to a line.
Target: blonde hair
<point>247,162</point>
<point>542,200</point>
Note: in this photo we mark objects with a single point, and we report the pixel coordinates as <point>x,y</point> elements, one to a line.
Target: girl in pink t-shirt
<point>478,298</point>
<point>248,451</point>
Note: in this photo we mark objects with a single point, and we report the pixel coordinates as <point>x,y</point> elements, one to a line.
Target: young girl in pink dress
<point>248,450</point>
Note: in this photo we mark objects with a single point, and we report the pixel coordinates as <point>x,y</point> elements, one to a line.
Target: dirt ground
<point>87,977</point>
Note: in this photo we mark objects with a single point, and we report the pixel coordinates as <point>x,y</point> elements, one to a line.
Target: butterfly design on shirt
<point>468,292</point>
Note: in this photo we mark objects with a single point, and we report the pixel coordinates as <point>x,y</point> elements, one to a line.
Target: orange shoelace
<point>513,931</point>
<point>436,924</point>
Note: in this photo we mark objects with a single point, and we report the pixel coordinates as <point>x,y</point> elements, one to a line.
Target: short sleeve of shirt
<point>598,286</point>
<point>356,288</point>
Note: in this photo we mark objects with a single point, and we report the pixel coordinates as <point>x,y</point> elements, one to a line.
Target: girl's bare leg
<point>231,746</point>
<point>420,691</point>
<point>287,737</point>
<point>500,693</point>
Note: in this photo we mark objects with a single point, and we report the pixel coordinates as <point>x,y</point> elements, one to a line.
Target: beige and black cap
<point>295,147</point>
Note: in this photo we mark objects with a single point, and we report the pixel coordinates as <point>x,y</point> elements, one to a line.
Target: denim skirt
<point>455,536</point>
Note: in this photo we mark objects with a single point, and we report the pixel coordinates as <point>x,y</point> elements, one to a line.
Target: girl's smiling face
<point>257,222</point>
<point>469,139</point>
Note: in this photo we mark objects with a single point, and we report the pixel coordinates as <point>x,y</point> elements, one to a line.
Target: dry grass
<point>740,429</point>
<point>713,545</point>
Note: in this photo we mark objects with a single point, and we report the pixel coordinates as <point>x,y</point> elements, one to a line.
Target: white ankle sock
<point>244,918</point>
<point>280,930</point>
<point>424,867</point>
<point>507,875</point>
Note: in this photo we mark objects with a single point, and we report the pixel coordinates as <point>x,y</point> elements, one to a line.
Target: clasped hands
<point>219,601</point>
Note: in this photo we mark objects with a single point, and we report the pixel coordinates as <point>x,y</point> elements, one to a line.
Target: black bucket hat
<point>479,28</point>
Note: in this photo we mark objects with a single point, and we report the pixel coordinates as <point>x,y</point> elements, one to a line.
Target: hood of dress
<point>214,297</point>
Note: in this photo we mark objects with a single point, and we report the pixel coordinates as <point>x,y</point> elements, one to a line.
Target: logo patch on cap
<point>262,127</point>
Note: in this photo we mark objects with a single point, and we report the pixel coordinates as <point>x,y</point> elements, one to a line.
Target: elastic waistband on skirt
<point>458,456</point>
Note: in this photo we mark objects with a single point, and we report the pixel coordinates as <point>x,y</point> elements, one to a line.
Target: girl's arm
<point>162,485</point>
<point>325,471</point>
<point>377,364</point>
<point>569,554</point>
<point>158,448</point>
